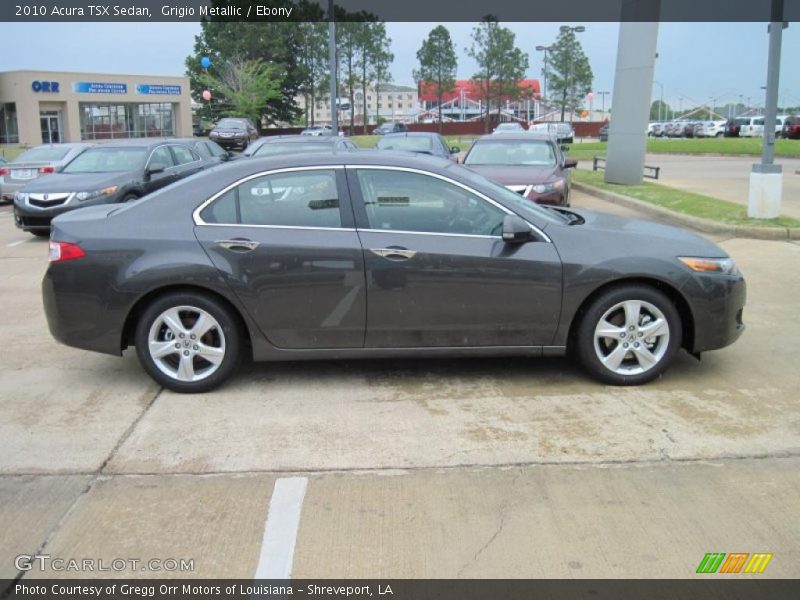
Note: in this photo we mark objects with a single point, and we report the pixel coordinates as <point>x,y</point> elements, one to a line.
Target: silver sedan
<point>33,163</point>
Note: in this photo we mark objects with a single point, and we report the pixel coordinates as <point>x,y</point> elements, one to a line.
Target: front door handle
<point>394,253</point>
<point>238,244</point>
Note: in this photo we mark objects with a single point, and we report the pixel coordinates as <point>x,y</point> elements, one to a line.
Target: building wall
<point>393,102</point>
<point>17,87</point>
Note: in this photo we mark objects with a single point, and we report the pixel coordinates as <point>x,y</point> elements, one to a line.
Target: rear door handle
<point>238,245</point>
<point>394,253</point>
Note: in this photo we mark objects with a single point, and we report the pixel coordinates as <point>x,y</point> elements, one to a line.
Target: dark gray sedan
<point>356,255</point>
<point>104,174</point>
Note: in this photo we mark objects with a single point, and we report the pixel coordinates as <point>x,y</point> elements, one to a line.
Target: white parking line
<point>280,530</point>
<point>17,243</point>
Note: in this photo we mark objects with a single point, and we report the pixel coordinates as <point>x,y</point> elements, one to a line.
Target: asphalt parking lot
<point>447,468</point>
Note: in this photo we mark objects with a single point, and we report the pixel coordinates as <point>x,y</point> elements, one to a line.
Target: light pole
<point>568,86</point>
<point>603,96</point>
<point>544,49</point>
<point>661,99</point>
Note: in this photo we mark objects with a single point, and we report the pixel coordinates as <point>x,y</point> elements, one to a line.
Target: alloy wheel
<point>631,337</point>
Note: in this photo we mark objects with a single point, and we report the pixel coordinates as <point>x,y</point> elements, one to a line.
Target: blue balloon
<point>205,62</point>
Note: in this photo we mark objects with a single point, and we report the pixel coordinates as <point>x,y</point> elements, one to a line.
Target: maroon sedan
<point>531,165</point>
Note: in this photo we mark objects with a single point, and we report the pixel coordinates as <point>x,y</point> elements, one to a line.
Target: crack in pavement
<point>96,475</point>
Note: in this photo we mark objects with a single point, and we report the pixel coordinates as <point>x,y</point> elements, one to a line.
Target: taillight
<point>61,251</point>
<point>47,169</point>
<point>4,172</point>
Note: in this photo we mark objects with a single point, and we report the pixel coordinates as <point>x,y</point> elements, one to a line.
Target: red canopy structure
<point>471,91</point>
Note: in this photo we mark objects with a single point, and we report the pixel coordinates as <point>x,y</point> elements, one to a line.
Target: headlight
<point>81,196</point>
<point>726,266</point>
<point>543,188</point>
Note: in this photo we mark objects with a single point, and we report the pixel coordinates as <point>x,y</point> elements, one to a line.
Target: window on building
<point>9,133</point>
<point>116,121</point>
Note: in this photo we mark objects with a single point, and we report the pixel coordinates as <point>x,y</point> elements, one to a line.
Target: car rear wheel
<point>188,343</point>
<point>629,335</point>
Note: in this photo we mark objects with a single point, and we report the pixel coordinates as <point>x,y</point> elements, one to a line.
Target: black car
<point>376,254</point>
<point>104,174</point>
<point>208,151</point>
<point>303,144</point>
<point>390,127</point>
<point>233,132</point>
<point>419,142</point>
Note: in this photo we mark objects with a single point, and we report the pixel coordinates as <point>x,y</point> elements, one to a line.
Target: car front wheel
<point>629,335</point>
<point>189,343</point>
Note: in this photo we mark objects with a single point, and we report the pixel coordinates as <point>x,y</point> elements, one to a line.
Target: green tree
<point>373,58</point>
<point>278,43</point>
<point>569,75</point>
<point>660,111</point>
<point>314,76</point>
<point>244,87</point>
<point>437,65</point>
<point>502,65</point>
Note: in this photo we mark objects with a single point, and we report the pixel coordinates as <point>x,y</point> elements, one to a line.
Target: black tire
<point>228,322</point>
<point>40,233</point>
<point>584,339</point>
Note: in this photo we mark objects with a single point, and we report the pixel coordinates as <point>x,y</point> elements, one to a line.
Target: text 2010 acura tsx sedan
<point>377,254</point>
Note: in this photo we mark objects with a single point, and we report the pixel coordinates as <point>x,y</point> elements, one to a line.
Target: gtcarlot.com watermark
<point>45,562</point>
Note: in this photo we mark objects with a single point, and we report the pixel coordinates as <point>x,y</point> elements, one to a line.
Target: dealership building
<point>48,107</point>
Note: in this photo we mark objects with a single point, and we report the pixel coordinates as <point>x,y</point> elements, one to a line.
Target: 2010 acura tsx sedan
<point>378,254</point>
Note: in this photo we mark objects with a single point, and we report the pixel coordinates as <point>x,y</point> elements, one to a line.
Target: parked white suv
<point>754,127</point>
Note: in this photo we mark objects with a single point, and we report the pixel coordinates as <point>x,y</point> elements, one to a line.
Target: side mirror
<point>515,230</point>
<point>564,148</point>
<point>570,163</point>
<point>455,150</point>
<point>154,170</point>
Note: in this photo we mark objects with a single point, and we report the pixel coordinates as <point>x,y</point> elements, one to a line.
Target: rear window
<point>42,154</point>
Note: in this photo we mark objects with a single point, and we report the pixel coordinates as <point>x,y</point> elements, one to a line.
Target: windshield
<point>230,124</point>
<point>107,160</point>
<point>509,126</point>
<point>409,144</point>
<point>512,152</point>
<point>42,154</point>
<point>524,207</point>
<point>295,148</point>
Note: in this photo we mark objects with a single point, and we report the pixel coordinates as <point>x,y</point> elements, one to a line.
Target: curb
<point>698,223</point>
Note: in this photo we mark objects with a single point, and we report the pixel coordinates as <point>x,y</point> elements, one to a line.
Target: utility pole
<point>766,178</point>
<point>544,49</point>
<point>603,96</point>
<point>334,88</point>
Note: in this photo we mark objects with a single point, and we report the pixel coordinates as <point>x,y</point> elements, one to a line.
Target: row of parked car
<point>48,180</point>
<point>787,126</point>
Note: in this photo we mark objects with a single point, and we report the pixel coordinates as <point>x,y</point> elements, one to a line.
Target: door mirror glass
<point>515,230</point>
<point>455,150</point>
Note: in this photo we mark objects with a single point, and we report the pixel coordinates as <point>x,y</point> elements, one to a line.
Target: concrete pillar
<point>633,82</point>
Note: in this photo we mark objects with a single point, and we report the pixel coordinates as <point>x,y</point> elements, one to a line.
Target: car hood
<point>645,234</point>
<point>78,182</point>
<point>521,175</point>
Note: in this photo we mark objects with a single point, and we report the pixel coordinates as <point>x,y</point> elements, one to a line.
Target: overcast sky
<point>697,61</point>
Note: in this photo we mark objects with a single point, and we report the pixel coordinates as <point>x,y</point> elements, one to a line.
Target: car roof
<point>306,139</point>
<point>527,136</point>
<point>399,134</point>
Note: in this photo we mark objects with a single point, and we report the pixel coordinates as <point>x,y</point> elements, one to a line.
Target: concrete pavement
<point>468,468</point>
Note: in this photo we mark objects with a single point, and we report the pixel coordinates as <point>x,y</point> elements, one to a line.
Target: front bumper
<point>718,317</point>
<point>30,218</point>
<point>229,142</point>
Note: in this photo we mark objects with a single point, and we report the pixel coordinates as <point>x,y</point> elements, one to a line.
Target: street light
<point>544,49</point>
<point>567,29</point>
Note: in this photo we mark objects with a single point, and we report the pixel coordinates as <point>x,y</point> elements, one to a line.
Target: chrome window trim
<point>538,231</point>
<point>460,235</point>
<point>198,220</point>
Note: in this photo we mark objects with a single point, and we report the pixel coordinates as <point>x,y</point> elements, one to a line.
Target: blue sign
<point>45,86</point>
<point>158,89</point>
<point>87,87</point>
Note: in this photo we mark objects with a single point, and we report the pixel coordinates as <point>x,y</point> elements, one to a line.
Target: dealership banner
<point>404,589</point>
<point>407,10</point>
